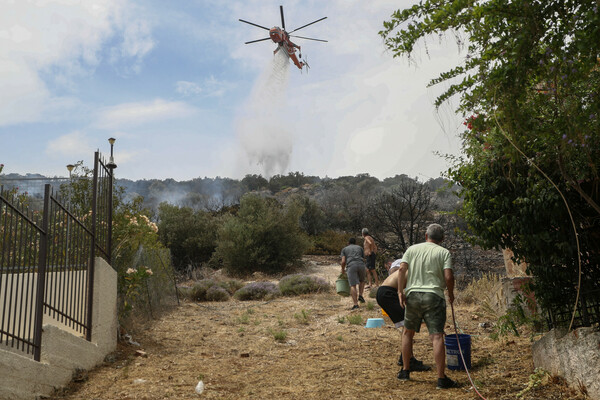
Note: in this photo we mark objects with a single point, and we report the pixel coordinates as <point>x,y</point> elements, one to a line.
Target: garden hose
<point>461,353</point>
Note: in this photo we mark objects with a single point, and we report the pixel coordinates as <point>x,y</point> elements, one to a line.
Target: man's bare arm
<point>402,275</point>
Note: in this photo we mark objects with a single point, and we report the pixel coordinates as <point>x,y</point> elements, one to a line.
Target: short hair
<point>365,231</point>
<point>435,232</point>
<point>352,240</point>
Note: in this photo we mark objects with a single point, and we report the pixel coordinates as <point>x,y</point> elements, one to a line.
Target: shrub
<point>328,243</point>
<point>198,291</point>
<point>217,293</point>
<point>264,236</point>
<point>232,285</point>
<point>355,319</point>
<point>296,284</point>
<point>258,291</point>
<point>190,235</point>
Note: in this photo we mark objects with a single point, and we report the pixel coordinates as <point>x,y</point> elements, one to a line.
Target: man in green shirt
<point>425,271</point>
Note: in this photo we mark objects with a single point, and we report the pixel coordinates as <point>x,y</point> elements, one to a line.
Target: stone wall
<point>574,356</point>
<point>62,352</point>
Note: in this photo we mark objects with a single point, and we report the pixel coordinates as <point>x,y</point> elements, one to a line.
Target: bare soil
<point>231,347</point>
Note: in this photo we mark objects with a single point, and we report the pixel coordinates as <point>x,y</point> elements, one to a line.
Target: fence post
<point>41,278</point>
<point>92,261</point>
<point>110,213</point>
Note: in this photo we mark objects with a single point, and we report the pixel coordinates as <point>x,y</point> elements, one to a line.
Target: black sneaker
<point>445,383</point>
<point>361,299</point>
<point>415,365</point>
<point>354,308</point>
<point>404,375</point>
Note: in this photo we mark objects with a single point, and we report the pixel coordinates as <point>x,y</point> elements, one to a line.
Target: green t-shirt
<point>426,264</point>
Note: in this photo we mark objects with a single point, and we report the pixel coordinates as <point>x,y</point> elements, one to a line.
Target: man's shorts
<point>428,307</point>
<point>387,298</point>
<point>371,261</point>
<point>356,273</point>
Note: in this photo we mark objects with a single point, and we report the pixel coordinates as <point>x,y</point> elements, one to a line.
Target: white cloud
<point>61,39</point>
<point>211,87</point>
<point>187,88</point>
<point>135,114</point>
<point>75,145</point>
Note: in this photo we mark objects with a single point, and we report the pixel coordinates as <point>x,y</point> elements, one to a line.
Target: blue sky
<point>174,83</point>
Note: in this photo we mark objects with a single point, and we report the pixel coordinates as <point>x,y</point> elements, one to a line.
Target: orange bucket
<point>384,313</point>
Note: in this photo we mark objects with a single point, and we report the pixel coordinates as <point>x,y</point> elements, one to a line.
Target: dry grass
<point>239,351</point>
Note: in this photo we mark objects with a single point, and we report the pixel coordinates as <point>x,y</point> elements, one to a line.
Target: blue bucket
<point>453,358</point>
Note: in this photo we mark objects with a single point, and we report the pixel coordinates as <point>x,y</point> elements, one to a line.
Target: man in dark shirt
<point>354,266</point>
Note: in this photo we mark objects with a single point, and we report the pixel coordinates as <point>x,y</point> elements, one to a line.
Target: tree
<point>528,87</point>
<point>263,236</point>
<point>190,235</point>
<point>398,218</point>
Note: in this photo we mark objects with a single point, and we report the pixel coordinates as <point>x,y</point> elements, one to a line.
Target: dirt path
<point>231,347</point>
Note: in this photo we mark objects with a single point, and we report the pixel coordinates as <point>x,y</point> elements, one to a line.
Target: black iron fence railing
<point>47,261</point>
<point>588,311</point>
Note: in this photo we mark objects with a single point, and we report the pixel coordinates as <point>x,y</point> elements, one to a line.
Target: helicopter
<point>282,38</point>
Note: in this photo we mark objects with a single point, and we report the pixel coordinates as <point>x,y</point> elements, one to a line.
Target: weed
<point>244,318</point>
<point>341,319</point>
<point>355,319</point>
<point>340,338</point>
<point>279,335</point>
<point>241,329</point>
<point>302,317</point>
<point>479,290</point>
<point>250,311</point>
<point>515,318</point>
<point>540,377</point>
<point>370,305</point>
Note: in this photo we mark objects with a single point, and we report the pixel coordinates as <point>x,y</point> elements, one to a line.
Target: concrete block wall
<point>62,352</point>
<point>574,356</point>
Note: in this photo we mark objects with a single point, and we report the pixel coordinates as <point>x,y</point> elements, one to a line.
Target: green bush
<point>190,235</point>
<point>232,286</point>
<point>217,293</point>
<point>264,236</point>
<point>258,291</point>
<point>328,243</point>
<point>296,284</point>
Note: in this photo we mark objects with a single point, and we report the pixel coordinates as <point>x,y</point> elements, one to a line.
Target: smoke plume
<point>265,140</point>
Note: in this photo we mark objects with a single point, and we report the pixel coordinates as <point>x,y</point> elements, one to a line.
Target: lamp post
<point>111,161</point>
<point>70,168</point>
<point>111,166</point>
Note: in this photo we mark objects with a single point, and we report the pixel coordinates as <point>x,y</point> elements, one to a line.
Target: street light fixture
<point>111,161</point>
<point>70,168</point>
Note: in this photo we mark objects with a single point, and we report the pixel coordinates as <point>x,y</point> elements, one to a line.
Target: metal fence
<point>47,261</point>
<point>587,314</point>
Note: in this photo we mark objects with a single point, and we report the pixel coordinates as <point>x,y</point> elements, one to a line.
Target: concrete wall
<point>63,352</point>
<point>505,292</point>
<point>574,356</point>
<point>513,270</point>
<point>18,286</point>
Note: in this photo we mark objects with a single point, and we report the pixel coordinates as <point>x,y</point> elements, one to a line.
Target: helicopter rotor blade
<point>252,23</point>
<point>258,40</point>
<point>304,26</point>
<point>282,21</point>
<point>307,38</point>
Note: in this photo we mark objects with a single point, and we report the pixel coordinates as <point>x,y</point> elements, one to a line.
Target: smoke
<point>265,140</point>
